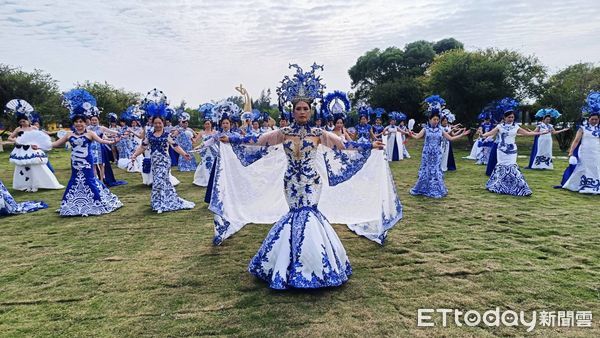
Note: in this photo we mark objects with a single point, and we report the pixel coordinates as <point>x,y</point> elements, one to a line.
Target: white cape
<point>366,202</point>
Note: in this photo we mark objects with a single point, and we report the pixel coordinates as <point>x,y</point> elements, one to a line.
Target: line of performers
<point>302,176</point>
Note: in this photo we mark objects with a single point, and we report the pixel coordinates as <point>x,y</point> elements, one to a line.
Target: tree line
<point>396,79</point>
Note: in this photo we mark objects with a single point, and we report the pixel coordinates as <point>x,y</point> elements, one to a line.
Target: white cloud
<point>199,50</point>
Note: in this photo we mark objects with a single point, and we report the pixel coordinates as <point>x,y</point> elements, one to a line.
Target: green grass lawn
<point>136,273</point>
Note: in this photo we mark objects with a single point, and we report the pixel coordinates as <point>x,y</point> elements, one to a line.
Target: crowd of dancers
<point>301,174</point>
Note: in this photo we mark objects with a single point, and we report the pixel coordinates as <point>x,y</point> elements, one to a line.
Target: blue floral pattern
<point>185,142</point>
<point>8,206</point>
<point>85,194</point>
<point>303,230</point>
<point>431,178</point>
<point>163,197</point>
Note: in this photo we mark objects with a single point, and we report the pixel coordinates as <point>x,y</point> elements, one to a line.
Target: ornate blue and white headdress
<point>132,113</point>
<point>301,86</point>
<point>592,105</point>
<point>205,111</point>
<point>484,115</point>
<point>336,105</point>
<point>364,109</point>
<point>112,117</point>
<point>183,117</point>
<point>378,112</point>
<point>35,117</point>
<point>446,113</point>
<point>507,105</point>
<point>20,108</point>
<point>80,103</point>
<point>95,112</point>
<point>155,105</point>
<point>225,109</point>
<point>435,104</point>
<point>398,116</point>
<point>542,113</point>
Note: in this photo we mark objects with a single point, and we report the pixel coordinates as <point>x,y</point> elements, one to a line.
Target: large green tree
<point>524,73</point>
<point>567,89</point>
<point>37,88</point>
<point>390,78</point>
<point>109,98</point>
<point>468,81</point>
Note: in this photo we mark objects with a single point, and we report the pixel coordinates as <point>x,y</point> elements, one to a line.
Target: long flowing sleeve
<point>250,149</point>
<point>271,138</point>
<point>332,141</point>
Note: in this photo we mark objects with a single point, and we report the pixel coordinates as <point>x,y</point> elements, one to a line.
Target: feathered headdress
<point>205,111</point>
<point>225,109</point>
<point>542,113</point>
<point>20,108</point>
<point>592,105</point>
<point>364,109</point>
<point>301,86</point>
<point>398,116</point>
<point>378,112</point>
<point>336,105</point>
<point>484,115</point>
<point>80,103</point>
<point>507,105</point>
<point>36,117</point>
<point>155,105</point>
<point>132,113</point>
<point>435,104</point>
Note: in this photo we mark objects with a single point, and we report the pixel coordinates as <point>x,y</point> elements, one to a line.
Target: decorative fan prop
<point>18,106</point>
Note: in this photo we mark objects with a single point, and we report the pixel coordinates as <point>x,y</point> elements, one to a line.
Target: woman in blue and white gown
<point>394,144</point>
<point>484,145</point>
<point>506,177</point>
<point>163,197</point>
<point>31,170</point>
<point>447,162</point>
<point>147,160</point>
<point>85,194</point>
<point>8,206</point>
<point>97,149</point>
<point>301,250</point>
<point>541,153</point>
<point>184,138</point>
<point>226,125</point>
<point>431,178</point>
<point>585,177</point>
<point>208,155</point>
<point>404,131</point>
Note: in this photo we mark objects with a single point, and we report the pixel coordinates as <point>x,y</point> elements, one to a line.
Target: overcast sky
<point>200,50</point>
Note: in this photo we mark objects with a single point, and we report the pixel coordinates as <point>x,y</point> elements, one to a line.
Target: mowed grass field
<point>137,273</point>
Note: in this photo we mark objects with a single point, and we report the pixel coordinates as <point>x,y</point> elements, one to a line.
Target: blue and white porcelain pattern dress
<point>431,178</point>
<point>302,250</point>
<point>184,139</point>
<point>163,197</point>
<point>506,178</point>
<point>484,145</point>
<point>85,194</point>
<point>208,154</point>
<point>586,176</point>
<point>541,153</point>
<point>8,206</point>
<point>96,148</point>
<point>363,132</point>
